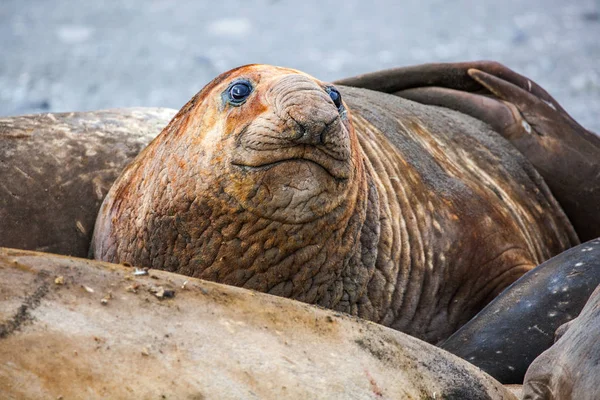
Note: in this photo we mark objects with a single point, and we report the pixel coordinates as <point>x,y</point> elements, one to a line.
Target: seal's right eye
<point>238,92</point>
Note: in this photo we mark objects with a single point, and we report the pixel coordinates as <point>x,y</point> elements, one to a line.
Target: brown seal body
<point>408,215</point>
<point>55,170</point>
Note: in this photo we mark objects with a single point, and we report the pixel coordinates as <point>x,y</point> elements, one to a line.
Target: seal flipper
<point>564,153</point>
<point>451,75</point>
<point>448,75</point>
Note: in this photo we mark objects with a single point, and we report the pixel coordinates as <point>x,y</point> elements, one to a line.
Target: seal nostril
<point>310,133</point>
<point>312,130</point>
<point>300,132</point>
<point>309,120</point>
<point>322,135</point>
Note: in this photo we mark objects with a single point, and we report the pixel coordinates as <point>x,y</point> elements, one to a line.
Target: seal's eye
<point>238,92</point>
<point>336,97</point>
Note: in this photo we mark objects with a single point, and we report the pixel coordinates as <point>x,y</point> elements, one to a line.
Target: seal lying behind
<point>570,369</point>
<point>518,325</point>
<point>55,170</point>
<point>408,215</point>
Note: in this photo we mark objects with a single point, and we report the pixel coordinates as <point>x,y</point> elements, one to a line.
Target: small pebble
<point>132,288</point>
<point>161,292</point>
<point>88,289</point>
<point>105,299</point>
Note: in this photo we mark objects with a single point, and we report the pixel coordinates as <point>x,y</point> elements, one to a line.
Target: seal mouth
<point>337,169</point>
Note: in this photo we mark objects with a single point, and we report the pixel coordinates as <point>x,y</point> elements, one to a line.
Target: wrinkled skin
<point>561,150</point>
<point>408,215</point>
<point>570,369</point>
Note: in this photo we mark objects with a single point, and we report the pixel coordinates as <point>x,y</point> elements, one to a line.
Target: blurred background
<point>60,55</point>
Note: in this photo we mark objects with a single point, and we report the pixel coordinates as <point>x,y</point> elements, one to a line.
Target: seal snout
<point>311,116</point>
<point>304,123</point>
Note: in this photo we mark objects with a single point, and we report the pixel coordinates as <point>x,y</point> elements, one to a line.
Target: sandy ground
<point>59,55</point>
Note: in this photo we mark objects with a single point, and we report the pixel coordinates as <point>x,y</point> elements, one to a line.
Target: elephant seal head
<point>258,182</point>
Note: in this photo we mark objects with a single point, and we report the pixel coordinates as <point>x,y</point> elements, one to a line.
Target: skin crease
<point>408,215</point>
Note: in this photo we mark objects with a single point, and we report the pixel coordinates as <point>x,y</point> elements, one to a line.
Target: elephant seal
<point>55,170</point>
<point>570,369</point>
<point>408,215</point>
<point>519,324</point>
<point>210,341</point>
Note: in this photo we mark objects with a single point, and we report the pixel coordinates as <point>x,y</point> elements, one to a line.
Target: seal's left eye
<point>336,97</point>
<point>238,92</point>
